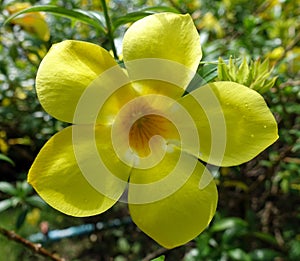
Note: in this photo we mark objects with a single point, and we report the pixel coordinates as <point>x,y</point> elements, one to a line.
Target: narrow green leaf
<point>162,9</point>
<point>255,69</point>
<point>264,67</point>
<point>21,218</point>
<point>264,255</point>
<point>5,204</point>
<point>260,81</point>
<point>223,73</point>
<point>129,18</point>
<point>268,85</point>
<point>26,187</point>
<point>8,188</point>
<point>232,68</point>
<point>266,237</point>
<point>243,72</point>
<point>80,15</point>
<point>23,189</point>
<point>251,73</point>
<point>135,16</point>
<point>35,201</point>
<point>208,72</point>
<point>7,159</point>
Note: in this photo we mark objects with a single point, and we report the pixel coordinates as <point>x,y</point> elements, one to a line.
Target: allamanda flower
<point>137,131</point>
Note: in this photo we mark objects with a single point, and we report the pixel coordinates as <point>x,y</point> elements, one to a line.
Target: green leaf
<point>263,255</point>
<point>35,201</point>
<point>23,188</point>
<point>243,72</point>
<point>266,237</point>
<point>160,258</point>
<point>264,67</point>
<point>238,254</point>
<point>232,234</point>
<point>135,16</point>
<point>227,223</point>
<point>80,15</point>
<point>208,72</point>
<point>5,204</point>
<point>129,18</point>
<point>7,159</point>
<point>232,68</point>
<point>268,85</point>
<point>21,218</point>
<point>8,188</point>
<point>223,73</point>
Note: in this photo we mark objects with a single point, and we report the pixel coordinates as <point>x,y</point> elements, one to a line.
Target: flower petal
<point>66,71</point>
<point>233,121</point>
<point>58,173</point>
<point>172,219</point>
<point>167,45</point>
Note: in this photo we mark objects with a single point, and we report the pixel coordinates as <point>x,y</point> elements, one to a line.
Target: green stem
<point>109,30</point>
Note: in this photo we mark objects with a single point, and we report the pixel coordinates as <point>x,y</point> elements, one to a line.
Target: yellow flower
<point>34,23</point>
<point>136,131</point>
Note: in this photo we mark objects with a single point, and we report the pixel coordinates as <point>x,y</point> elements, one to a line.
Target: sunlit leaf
<point>80,15</point>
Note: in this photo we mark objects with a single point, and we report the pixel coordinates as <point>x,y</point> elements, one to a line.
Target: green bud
<point>256,75</point>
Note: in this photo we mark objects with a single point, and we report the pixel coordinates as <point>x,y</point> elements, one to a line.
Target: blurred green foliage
<point>259,205</point>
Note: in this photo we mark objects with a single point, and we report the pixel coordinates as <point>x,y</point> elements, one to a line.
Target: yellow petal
<point>66,72</point>
<point>59,174</point>
<point>234,123</point>
<point>167,47</point>
<point>178,217</point>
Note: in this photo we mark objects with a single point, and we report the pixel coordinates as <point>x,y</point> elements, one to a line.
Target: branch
<point>37,248</point>
<point>155,254</point>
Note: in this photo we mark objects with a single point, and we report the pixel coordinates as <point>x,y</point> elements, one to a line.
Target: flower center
<point>147,127</point>
<point>142,130</point>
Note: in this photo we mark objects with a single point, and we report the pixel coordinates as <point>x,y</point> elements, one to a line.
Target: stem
<point>37,248</point>
<point>109,30</point>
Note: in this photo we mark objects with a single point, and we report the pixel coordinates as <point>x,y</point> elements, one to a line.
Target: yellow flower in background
<point>33,23</point>
<point>136,137</point>
<point>210,23</point>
